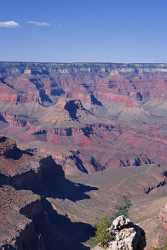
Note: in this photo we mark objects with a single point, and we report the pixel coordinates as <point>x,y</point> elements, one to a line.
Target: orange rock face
<point>111,112</point>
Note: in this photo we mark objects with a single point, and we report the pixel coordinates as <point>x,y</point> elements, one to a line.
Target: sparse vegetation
<point>123,209</point>
<point>102,235</point>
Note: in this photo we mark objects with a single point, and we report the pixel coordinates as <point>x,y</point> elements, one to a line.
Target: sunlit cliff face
<point>113,113</point>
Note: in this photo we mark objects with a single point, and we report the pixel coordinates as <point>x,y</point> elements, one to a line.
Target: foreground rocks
<point>127,235</point>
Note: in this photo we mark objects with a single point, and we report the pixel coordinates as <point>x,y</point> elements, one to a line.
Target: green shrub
<point>103,236</point>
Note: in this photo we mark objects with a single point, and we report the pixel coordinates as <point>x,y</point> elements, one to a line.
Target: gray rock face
<point>127,235</point>
<point>119,223</point>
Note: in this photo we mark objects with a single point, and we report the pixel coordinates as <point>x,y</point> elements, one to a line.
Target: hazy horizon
<point>82,62</point>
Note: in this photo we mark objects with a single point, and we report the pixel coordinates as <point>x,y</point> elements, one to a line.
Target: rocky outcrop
<point>126,235</point>
<point>16,161</point>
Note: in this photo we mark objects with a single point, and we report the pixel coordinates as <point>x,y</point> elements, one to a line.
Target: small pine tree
<point>103,236</point>
<point>123,209</point>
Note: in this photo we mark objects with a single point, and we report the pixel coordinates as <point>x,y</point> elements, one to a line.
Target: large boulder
<point>119,223</point>
<point>127,235</point>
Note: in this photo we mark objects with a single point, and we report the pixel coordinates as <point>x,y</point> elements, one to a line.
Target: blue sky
<point>83,30</point>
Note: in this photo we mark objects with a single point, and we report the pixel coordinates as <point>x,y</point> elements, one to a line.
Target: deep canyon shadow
<point>52,231</point>
<point>56,231</point>
<point>50,181</point>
